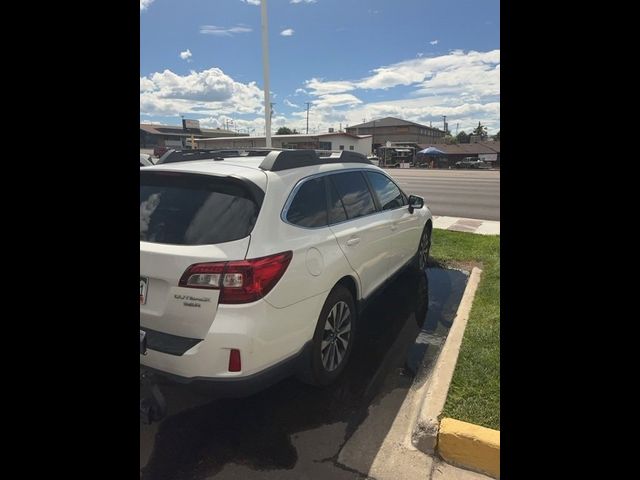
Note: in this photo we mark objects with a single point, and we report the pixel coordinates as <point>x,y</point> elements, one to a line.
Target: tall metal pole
<point>307,104</point>
<point>265,70</point>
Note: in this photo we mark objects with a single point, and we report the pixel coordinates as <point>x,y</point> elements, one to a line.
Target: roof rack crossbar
<point>275,161</point>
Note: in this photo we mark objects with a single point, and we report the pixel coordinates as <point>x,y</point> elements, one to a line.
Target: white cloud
<point>251,2</point>
<point>467,71</point>
<point>287,33</point>
<point>186,55</point>
<point>464,86</point>
<point>146,84</point>
<point>421,110</point>
<point>433,42</point>
<point>144,4</point>
<point>205,92</point>
<point>302,1</point>
<point>419,54</point>
<point>223,31</point>
<point>319,87</point>
<point>335,100</point>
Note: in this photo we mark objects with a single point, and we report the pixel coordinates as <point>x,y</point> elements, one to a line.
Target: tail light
<point>243,281</point>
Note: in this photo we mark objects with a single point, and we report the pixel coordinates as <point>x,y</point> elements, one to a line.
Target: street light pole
<point>265,70</point>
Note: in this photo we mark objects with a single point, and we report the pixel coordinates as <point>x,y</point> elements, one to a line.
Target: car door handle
<point>353,241</point>
<point>394,227</point>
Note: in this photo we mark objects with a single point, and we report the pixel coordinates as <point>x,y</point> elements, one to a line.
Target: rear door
<point>188,218</point>
<point>405,226</point>
<point>362,233</point>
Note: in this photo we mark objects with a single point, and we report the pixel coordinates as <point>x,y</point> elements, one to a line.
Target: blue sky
<point>352,59</point>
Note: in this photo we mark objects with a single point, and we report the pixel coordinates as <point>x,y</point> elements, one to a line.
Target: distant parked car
<point>374,160</point>
<point>145,160</point>
<point>472,163</point>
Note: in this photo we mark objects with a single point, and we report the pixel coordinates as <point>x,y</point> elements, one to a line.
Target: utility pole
<point>444,120</point>
<point>265,71</point>
<point>307,104</point>
<point>373,137</point>
<point>457,125</point>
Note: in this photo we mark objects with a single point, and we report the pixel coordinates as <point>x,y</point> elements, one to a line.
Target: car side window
<point>309,207</point>
<point>355,194</point>
<point>388,193</point>
<point>337,212</point>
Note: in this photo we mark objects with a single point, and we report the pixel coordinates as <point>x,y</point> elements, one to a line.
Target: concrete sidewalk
<point>470,225</point>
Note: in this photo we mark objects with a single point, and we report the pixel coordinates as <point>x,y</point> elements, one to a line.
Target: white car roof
<point>249,168</point>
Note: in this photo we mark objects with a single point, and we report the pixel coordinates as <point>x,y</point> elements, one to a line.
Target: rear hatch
<point>188,218</point>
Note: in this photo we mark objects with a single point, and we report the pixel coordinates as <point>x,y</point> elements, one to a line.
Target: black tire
<point>325,367</point>
<point>424,248</point>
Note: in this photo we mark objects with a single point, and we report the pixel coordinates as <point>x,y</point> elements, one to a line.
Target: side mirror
<point>415,202</point>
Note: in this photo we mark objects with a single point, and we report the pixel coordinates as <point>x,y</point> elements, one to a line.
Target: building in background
<point>335,141</point>
<point>173,136</point>
<point>392,129</point>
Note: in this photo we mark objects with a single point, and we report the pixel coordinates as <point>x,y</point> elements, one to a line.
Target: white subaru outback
<point>255,267</point>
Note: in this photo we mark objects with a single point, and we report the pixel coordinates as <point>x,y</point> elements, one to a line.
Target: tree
<point>286,131</point>
<point>448,139</point>
<point>462,137</point>
<point>496,137</point>
<point>480,130</point>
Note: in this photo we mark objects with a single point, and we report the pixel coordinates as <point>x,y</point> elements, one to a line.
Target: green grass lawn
<point>474,395</point>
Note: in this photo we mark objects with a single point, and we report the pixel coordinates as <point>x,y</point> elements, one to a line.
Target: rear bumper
<point>250,384</point>
<point>267,338</point>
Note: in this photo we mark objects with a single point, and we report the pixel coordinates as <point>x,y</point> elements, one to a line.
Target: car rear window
<point>190,209</point>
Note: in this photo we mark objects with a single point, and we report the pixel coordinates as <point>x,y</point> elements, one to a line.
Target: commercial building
<point>335,141</point>
<point>392,129</point>
<point>173,136</point>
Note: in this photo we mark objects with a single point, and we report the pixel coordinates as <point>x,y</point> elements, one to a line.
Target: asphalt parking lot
<point>293,430</point>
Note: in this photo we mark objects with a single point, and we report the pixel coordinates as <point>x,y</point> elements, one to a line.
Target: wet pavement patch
<point>401,330</point>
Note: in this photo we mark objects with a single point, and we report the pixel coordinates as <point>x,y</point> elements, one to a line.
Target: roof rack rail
<point>173,155</point>
<point>275,161</point>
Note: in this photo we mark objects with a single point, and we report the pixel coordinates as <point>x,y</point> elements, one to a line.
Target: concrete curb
<point>470,446</point>
<point>425,433</point>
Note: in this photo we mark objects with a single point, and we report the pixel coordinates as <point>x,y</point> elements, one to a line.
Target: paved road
<point>294,431</point>
<point>454,193</point>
